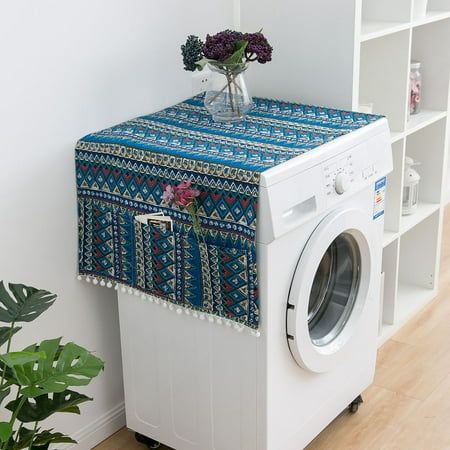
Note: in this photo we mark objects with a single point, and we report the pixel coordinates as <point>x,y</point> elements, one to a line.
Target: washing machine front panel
<point>330,288</point>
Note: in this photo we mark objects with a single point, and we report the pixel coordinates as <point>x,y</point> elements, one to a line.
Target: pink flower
<point>181,195</point>
<point>184,194</point>
<point>168,195</point>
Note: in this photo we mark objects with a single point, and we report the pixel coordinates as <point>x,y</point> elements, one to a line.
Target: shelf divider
<point>431,16</point>
<point>424,210</point>
<point>374,29</point>
<point>423,119</point>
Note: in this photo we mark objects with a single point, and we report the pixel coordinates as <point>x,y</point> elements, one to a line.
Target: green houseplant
<point>35,382</point>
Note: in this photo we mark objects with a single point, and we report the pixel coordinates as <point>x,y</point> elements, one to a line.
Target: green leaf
<point>25,304</point>
<point>23,440</point>
<point>202,63</point>
<point>45,405</point>
<point>6,332</point>
<point>4,393</point>
<point>46,437</point>
<point>70,365</point>
<point>238,54</point>
<point>38,440</point>
<point>13,359</point>
<point>5,431</point>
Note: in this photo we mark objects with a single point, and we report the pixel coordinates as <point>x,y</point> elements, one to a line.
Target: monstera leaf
<point>25,304</point>
<point>6,333</point>
<point>38,440</point>
<point>63,367</point>
<point>16,359</point>
<point>44,406</point>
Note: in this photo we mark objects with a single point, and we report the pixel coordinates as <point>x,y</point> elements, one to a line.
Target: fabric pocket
<point>155,260</point>
<point>229,283</point>
<point>211,275</point>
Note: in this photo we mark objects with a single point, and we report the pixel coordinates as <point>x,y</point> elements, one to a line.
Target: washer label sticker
<point>379,198</point>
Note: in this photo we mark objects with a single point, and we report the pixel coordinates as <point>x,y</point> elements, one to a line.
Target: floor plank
<point>408,406</point>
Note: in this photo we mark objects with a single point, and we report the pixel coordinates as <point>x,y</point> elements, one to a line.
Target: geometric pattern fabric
<point>122,171</point>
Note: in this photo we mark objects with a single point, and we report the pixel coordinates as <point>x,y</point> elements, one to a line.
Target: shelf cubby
<point>431,46</point>
<point>436,10</point>
<point>418,254</point>
<point>386,89</point>
<point>425,146</point>
<point>383,17</point>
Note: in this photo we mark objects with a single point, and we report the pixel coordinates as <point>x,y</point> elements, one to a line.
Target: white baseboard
<point>97,431</point>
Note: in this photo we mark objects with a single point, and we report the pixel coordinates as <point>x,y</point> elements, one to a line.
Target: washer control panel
<point>339,175</point>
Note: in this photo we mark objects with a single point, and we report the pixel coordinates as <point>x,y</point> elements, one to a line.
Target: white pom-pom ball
<point>88,279</point>
<point>109,284</point>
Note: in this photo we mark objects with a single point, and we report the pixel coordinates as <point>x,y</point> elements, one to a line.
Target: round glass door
<point>334,290</point>
<point>332,285</point>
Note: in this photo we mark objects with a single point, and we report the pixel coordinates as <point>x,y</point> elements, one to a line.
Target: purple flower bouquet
<point>227,54</point>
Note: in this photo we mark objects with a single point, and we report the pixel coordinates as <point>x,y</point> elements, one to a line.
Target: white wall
<point>69,68</point>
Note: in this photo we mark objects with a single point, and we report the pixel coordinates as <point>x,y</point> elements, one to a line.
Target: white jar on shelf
<point>415,88</point>
<point>410,187</point>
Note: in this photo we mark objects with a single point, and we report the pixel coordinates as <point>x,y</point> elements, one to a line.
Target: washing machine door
<point>330,290</point>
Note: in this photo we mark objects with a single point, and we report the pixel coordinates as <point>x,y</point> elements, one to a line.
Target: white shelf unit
<point>346,53</point>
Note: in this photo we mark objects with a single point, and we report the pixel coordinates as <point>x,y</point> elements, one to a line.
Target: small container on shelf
<point>410,187</point>
<point>415,87</point>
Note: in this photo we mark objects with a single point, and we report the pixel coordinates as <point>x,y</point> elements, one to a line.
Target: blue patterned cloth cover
<point>122,172</point>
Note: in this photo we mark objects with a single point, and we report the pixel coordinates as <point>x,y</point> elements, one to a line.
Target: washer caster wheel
<point>149,442</point>
<point>354,405</point>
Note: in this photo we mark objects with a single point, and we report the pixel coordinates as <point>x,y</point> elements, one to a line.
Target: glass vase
<point>228,99</point>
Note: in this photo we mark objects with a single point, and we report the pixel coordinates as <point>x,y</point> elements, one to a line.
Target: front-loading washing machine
<point>195,385</point>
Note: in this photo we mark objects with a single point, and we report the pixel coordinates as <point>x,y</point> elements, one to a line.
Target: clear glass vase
<point>228,99</point>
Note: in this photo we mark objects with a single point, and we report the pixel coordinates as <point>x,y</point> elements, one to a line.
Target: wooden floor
<point>408,406</point>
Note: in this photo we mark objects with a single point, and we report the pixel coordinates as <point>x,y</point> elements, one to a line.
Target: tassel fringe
<point>211,318</point>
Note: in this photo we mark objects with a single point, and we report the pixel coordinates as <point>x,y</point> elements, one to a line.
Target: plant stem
<point>34,433</point>
<point>18,408</point>
<point>230,93</point>
<point>193,213</point>
<point>8,348</point>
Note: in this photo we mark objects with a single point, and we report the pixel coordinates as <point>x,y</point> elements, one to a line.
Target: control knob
<point>341,183</point>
